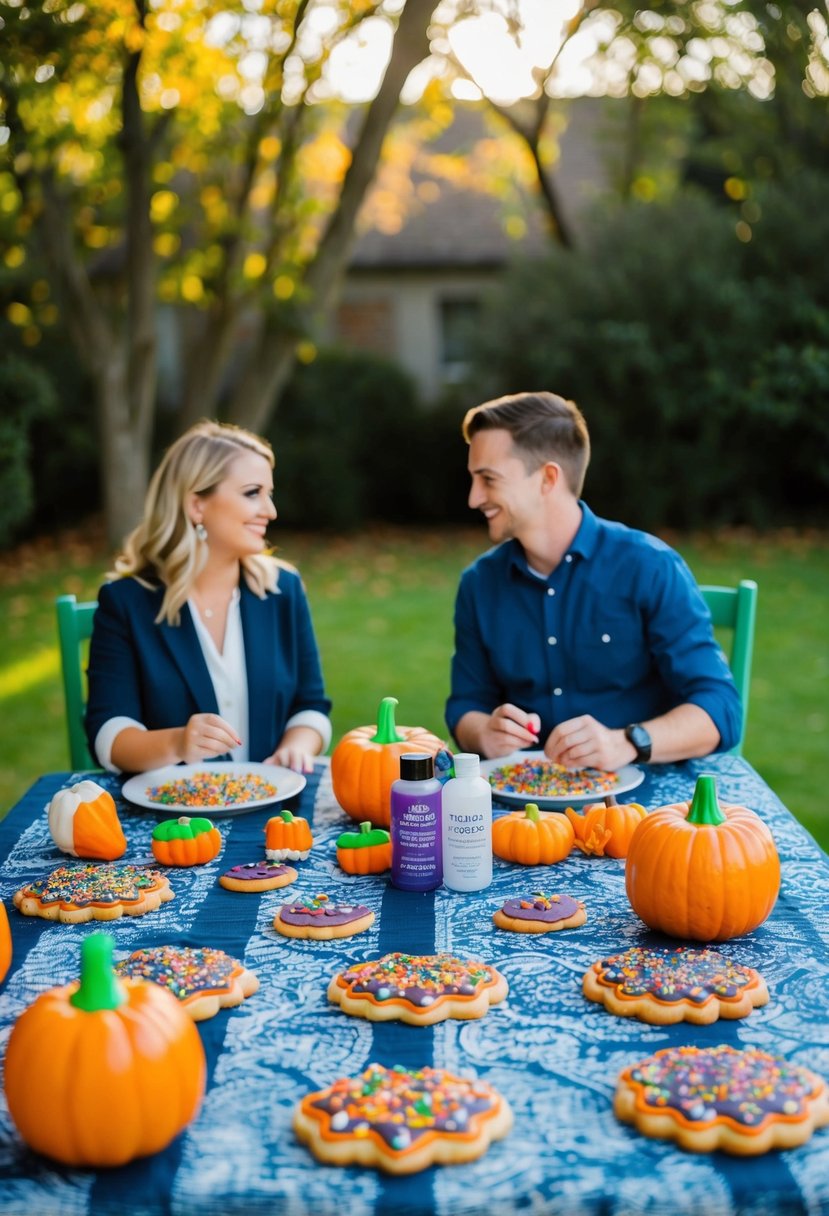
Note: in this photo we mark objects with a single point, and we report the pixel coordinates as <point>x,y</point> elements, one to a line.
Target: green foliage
<point>699,360</point>
<point>26,396</point>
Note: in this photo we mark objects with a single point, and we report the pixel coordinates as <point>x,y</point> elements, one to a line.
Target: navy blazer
<point>157,673</point>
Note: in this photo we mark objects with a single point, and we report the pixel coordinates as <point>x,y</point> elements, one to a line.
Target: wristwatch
<point>641,740</point>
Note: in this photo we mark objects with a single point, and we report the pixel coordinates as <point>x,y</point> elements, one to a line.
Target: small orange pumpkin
<point>84,822</point>
<point>287,837</point>
<point>532,837</point>
<point>701,870</point>
<point>605,830</point>
<point>365,852</point>
<point>366,761</point>
<point>186,842</point>
<point>5,942</point>
<point>103,1050</point>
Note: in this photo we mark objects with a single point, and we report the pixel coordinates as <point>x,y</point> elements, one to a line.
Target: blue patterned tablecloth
<point>554,1055</point>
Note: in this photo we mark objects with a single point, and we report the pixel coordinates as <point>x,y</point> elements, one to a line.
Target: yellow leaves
<point>96,236</point>
<point>735,188</point>
<point>14,256</point>
<point>306,352</point>
<point>270,147</point>
<point>326,158</point>
<point>162,205</point>
<point>19,314</point>
<point>192,288</point>
<point>283,287</point>
<point>254,266</point>
<point>166,244</point>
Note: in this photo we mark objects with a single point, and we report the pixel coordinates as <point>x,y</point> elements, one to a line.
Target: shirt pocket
<point>612,653</point>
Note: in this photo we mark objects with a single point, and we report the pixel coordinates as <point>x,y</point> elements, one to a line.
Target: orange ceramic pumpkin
<point>287,837</point>
<point>121,1061</point>
<point>186,842</point>
<point>5,942</point>
<point>532,837</point>
<point>84,822</point>
<point>606,830</point>
<point>365,852</point>
<point>702,871</point>
<point>366,761</point>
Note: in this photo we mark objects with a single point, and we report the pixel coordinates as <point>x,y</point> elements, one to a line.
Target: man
<point>575,634</point>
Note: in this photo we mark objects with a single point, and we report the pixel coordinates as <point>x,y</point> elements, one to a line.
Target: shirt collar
<point>584,542</point>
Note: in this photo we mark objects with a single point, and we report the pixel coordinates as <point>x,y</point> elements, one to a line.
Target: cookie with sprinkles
<point>540,913</point>
<point>322,919</point>
<point>202,978</point>
<point>77,893</point>
<point>667,984</point>
<point>401,1121</point>
<point>420,989</point>
<point>258,876</point>
<point>741,1100</point>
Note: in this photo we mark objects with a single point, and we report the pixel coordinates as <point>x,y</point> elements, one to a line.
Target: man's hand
<point>585,743</point>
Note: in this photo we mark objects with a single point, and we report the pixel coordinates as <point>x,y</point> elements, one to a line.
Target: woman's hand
<point>296,749</point>
<point>206,736</point>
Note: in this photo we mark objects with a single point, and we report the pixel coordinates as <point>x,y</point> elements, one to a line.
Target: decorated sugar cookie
<point>741,1101</point>
<point>667,984</point>
<point>258,876</point>
<point>287,837</point>
<point>419,989</point>
<point>75,893</point>
<point>402,1121</point>
<point>320,918</point>
<point>203,979</point>
<point>540,913</point>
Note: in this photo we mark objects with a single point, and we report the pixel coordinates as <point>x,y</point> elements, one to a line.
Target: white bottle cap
<point>467,764</point>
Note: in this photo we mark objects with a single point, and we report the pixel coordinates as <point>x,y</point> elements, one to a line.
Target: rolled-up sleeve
<point>474,685</point>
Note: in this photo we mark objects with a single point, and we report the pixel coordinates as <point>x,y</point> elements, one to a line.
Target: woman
<point>202,644</point>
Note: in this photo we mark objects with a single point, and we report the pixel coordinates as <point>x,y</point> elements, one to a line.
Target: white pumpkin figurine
<point>84,822</point>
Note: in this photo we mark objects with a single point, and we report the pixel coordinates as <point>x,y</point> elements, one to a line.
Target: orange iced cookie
<point>202,978</point>
<point>77,893</point>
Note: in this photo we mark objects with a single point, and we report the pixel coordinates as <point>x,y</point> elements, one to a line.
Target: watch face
<point>641,740</point>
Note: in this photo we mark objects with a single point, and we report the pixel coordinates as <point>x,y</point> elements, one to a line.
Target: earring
<point>201,531</point>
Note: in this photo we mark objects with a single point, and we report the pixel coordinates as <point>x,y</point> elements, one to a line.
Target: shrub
<point>26,396</point>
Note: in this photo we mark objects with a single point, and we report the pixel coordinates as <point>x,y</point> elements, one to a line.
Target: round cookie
<point>741,1101</point>
<point>540,913</point>
<point>258,876</point>
<point>77,893</point>
<point>418,989</point>
<point>321,919</point>
<point>402,1121</point>
<point>668,984</point>
<point>203,979</point>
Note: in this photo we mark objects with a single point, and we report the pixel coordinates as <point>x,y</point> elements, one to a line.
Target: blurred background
<point>342,224</point>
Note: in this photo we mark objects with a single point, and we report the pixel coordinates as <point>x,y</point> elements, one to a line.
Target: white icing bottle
<point>467,826</point>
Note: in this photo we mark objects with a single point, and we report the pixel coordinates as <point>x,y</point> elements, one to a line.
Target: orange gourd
<point>532,837</point>
<point>5,942</point>
<point>104,1071</point>
<point>84,823</point>
<point>186,842</point>
<point>606,831</point>
<point>287,837</point>
<point>366,761</point>
<point>701,870</point>
<point>365,852</point>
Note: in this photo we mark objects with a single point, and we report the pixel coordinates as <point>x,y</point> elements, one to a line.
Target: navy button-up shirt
<point>619,630</point>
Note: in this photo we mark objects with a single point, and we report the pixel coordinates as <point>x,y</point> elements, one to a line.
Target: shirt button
<point>551,590</point>
<point>556,692</point>
<point>568,557</point>
<point>605,637</point>
<point>551,641</point>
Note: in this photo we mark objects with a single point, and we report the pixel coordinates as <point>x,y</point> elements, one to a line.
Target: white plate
<point>287,784</point>
<point>627,778</point>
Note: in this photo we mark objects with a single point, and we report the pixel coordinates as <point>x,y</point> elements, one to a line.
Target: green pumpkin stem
<point>705,809</point>
<point>365,827</point>
<point>387,731</point>
<point>287,816</point>
<point>99,989</point>
<point>531,811</point>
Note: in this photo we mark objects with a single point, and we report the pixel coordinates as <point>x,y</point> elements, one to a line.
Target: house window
<point>458,320</point>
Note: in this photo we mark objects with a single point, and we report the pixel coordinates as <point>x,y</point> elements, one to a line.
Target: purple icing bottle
<point>416,827</point>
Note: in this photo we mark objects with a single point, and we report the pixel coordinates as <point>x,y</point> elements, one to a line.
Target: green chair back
<point>735,608</point>
<point>75,628</point>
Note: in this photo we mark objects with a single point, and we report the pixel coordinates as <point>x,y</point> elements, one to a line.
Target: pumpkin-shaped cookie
<point>367,851</point>
<point>366,761</point>
<point>702,870</point>
<point>186,842</point>
<point>119,1059</point>
<point>532,837</point>
<point>605,831</point>
<point>84,823</point>
<point>287,837</point>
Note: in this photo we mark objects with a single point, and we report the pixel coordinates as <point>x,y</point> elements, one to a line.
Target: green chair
<point>75,628</point>
<point>735,608</point>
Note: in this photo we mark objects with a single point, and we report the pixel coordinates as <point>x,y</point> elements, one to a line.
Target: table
<point>554,1055</point>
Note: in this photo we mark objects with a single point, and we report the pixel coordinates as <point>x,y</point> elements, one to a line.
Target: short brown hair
<point>543,427</point>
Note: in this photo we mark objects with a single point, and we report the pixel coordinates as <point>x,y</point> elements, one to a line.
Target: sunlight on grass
<point>26,673</point>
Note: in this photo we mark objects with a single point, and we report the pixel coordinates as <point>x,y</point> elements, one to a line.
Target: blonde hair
<point>164,547</point>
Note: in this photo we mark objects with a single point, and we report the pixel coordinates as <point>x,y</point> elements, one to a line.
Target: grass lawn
<point>382,605</point>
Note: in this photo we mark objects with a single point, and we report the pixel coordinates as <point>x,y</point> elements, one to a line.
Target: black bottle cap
<point>414,766</point>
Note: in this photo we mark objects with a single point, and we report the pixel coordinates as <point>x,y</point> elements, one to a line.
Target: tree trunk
<point>124,455</point>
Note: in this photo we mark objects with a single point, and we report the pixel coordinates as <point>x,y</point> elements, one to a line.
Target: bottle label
<point>416,845</point>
